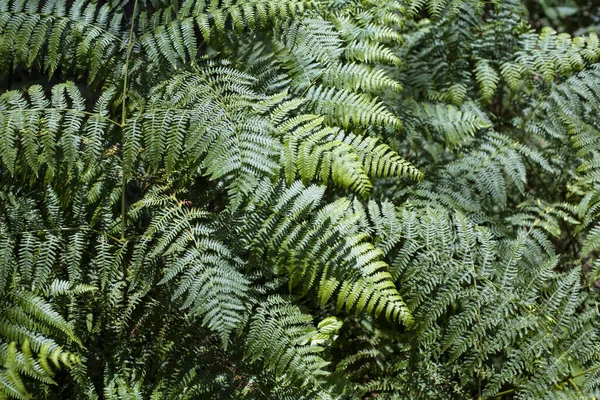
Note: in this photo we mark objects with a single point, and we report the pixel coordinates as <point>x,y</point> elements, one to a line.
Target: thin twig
<point>123,120</point>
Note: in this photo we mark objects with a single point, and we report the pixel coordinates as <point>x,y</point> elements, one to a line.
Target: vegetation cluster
<point>299,199</point>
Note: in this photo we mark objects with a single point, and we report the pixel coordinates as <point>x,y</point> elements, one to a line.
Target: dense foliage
<point>297,199</point>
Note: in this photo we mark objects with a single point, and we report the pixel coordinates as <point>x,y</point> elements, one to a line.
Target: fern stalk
<point>124,119</point>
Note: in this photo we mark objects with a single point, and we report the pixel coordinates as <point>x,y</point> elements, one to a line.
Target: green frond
<point>280,337</point>
<point>308,249</point>
<point>592,241</point>
<point>438,8</point>
<point>375,293</point>
<point>345,108</point>
<point>170,34</point>
<point>496,166</point>
<point>371,53</point>
<point>511,72</point>
<point>355,76</point>
<point>209,126</point>
<point>548,54</point>
<point>488,79</point>
<point>10,380</point>
<point>482,288</point>
<point>50,132</point>
<point>23,314</point>
<point>214,199</point>
<point>41,312</point>
<point>456,125</point>
<point>378,159</point>
<point>309,152</point>
<point>87,35</point>
<point>208,274</point>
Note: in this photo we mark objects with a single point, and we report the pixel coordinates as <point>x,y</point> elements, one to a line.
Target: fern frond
<point>41,129</point>
<point>208,273</point>
<point>378,159</point>
<point>488,79</point>
<point>455,124</point>
<point>170,34</point>
<point>355,76</point>
<point>344,108</point>
<point>548,54</point>
<point>371,53</point>
<point>88,35</point>
<point>309,152</point>
<point>308,249</point>
<point>279,336</point>
<point>208,127</point>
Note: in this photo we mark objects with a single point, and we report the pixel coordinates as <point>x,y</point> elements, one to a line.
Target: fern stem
<point>500,394</point>
<point>587,371</point>
<point>124,119</point>
<point>312,83</point>
<point>572,382</point>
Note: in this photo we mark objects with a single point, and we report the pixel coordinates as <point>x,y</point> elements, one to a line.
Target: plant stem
<point>509,391</point>
<point>123,120</point>
<point>576,388</point>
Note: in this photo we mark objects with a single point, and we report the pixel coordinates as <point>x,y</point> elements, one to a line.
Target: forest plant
<point>296,199</point>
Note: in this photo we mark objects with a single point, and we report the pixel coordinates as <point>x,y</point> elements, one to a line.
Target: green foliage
<point>333,199</point>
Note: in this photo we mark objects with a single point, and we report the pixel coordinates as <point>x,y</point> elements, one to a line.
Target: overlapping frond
<point>280,336</point>
<point>545,55</point>
<point>171,33</point>
<point>313,150</point>
<point>208,275</point>
<point>213,178</point>
<point>454,124</point>
<point>52,134</point>
<point>321,246</point>
<point>52,34</point>
<point>512,301</point>
<point>202,121</point>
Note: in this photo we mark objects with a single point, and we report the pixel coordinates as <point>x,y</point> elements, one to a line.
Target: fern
<point>209,278</point>
<point>281,335</point>
<point>292,199</point>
